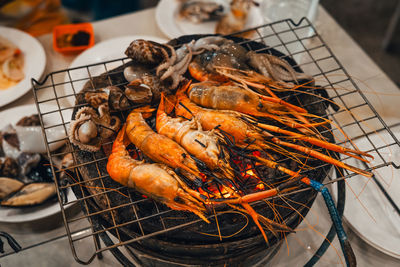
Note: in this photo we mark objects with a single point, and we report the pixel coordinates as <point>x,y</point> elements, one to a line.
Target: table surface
<point>43,247</point>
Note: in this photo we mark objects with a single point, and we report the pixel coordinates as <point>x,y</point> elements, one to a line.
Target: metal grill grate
<point>55,97</point>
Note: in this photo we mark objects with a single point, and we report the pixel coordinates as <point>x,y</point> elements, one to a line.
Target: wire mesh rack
<point>55,97</point>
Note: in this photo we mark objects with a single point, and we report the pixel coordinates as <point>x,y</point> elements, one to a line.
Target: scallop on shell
<point>87,137</point>
<point>88,129</point>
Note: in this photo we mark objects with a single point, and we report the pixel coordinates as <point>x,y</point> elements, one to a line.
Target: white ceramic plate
<point>104,51</point>
<point>377,223</point>
<point>27,214</point>
<point>35,62</point>
<point>171,25</point>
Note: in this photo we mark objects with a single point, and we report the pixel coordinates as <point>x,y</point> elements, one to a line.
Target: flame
<point>249,176</point>
<point>220,191</point>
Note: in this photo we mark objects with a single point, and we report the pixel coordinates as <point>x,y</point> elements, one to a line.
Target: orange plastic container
<point>61,30</point>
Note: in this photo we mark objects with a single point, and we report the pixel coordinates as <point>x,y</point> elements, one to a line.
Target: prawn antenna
<point>227,136</point>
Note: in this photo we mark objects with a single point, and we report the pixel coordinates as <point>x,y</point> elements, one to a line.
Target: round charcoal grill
<point>151,230</point>
<point>181,236</point>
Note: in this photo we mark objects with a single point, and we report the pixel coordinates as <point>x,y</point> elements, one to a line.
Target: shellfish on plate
<point>27,189</point>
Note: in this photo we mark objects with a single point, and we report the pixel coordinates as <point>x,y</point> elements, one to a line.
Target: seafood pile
<point>200,11</point>
<point>193,112</point>
<point>25,174</point>
<point>11,64</point>
<point>229,20</point>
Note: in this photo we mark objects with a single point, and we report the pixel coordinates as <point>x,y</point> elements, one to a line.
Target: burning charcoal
<point>293,165</point>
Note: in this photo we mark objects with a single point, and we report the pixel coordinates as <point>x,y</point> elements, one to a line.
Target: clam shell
<point>116,100</point>
<point>135,72</point>
<point>140,94</point>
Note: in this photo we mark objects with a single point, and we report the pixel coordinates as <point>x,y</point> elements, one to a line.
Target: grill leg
<point>98,245</point>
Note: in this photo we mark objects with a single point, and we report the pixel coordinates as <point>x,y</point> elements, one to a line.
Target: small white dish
<point>51,207</point>
<point>34,63</point>
<point>167,18</point>
<point>367,210</point>
<point>108,50</point>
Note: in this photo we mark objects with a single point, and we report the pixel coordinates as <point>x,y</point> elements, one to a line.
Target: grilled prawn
<point>162,184</point>
<point>234,97</point>
<point>247,133</point>
<point>214,95</point>
<point>204,145</point>
<point>158,147</point>
<point>154,180</point>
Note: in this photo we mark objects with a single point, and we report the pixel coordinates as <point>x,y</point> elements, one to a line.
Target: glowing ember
<point>203,177</point>
<point>260,186</point>
<point>251,173</point>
